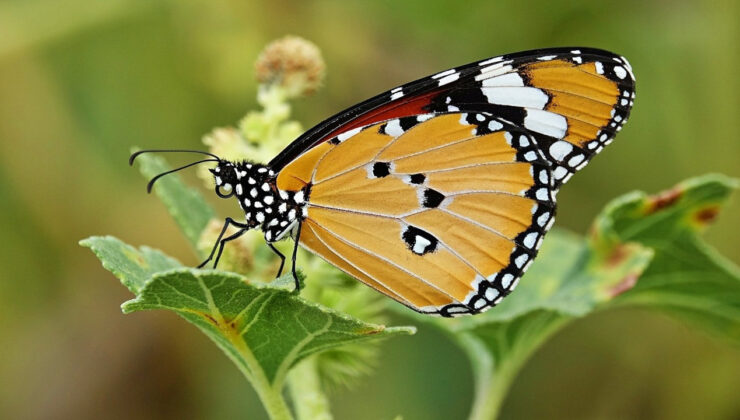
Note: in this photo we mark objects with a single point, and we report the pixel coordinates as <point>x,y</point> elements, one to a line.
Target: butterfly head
<point>226,177</point>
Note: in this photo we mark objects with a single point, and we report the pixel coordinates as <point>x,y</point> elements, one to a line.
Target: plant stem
<point>491,381</point>
<point>271,397</point>
<point>496,363</point>
<point>305,389</point>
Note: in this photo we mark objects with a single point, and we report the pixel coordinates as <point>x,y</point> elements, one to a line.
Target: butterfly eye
<point>224,191</point>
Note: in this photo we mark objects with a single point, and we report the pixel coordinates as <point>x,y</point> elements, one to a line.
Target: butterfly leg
<point>229,221</point>
<point>222,243</point>
<point>279,254</point>
<point>295,252</point>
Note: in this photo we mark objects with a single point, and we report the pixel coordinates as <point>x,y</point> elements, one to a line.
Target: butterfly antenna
<point>136,154</point>
<point>151,183</point>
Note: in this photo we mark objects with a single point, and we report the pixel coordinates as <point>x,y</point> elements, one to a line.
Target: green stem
<point>271,396</point>
<point>304,385</point>
<point>491,381</point>
<point>496,363</point>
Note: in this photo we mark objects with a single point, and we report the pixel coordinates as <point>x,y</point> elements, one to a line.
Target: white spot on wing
<point>509,79</point>
<point>547,123</point>
<point>347,134</point>
<point>420,244</point>
<point>544,178</point>
<point>559,172</point>
<point>490,61</point>
<point>491,293</point>
<point>542,195</point>
<point>575,160</point>
<point>528,97</point>
<point>506,280</point>
<point>493,71</point>
<point>393,128</point>
<point>494,125</point>
<point>443,74</point>
<point>560,149</point>
<point>599,67</point>
<point>620,72</point>
<point>530,239</point>
<point>544,217</point>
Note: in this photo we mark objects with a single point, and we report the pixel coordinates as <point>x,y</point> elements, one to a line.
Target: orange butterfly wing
<point>439,193</point>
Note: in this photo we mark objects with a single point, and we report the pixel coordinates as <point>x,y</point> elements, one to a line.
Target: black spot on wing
<point>407,122</point>
<point>432,198</point>
<point>417,178</point>
<point>381,169</point>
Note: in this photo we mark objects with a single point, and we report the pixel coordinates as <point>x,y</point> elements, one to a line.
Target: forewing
<point>572,101</point>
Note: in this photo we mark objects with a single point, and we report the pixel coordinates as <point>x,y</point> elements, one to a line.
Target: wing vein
<point>398,295</point>
<point>389,262</point>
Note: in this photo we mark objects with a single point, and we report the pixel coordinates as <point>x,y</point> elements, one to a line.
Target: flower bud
<point>292,63</point>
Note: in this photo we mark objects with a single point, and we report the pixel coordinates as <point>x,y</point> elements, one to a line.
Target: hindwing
<point>442,212</point>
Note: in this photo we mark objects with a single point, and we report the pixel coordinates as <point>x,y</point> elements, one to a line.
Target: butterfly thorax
<point>276,212</point>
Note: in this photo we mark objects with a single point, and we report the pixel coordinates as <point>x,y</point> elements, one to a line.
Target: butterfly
<point>437,193</point>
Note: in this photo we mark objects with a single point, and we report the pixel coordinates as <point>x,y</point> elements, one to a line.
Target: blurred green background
<point>82,81</point>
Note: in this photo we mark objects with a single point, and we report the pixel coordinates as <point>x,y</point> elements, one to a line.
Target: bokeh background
<point>82,81</point>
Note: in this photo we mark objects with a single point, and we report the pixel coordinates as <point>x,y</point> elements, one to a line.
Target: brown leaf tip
<point>706,215</point>
<point>663,200</point>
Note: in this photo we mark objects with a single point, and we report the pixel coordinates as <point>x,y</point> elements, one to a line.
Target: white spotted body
<point>273,211</point>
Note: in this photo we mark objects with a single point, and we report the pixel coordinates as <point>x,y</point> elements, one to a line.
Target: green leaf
<point>132,266</point>
<point>186,205</point>
<point>265,329</point>
<point>569,279</point>
<point>274,326</point>
<point>642,251</point>
<point>687,278</point>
